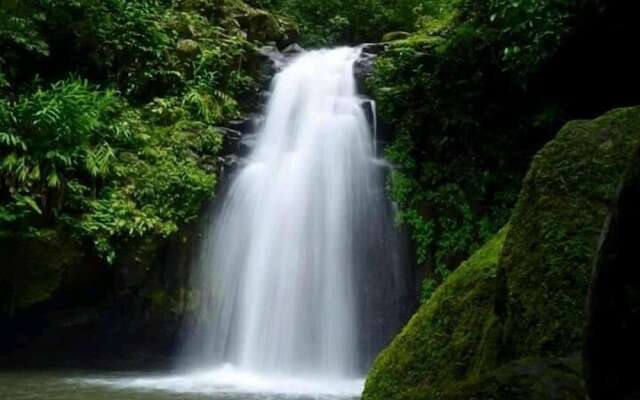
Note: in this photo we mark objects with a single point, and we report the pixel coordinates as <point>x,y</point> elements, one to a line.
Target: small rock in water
<point>293,48</point>
<point>374,48</point>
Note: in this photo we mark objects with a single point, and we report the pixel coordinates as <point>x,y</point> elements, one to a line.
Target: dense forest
<point>510,126</point>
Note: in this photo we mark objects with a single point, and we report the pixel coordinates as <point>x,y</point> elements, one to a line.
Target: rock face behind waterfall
<point>508,324</point>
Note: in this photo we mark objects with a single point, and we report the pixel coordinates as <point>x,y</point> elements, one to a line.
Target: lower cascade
<point>301,259</point>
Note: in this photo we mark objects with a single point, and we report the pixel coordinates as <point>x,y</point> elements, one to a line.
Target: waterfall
<point>281,268</point>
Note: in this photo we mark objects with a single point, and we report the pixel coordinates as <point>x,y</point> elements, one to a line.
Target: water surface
<point>221,384</point>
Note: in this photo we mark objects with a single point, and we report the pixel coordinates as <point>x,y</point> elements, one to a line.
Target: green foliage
<point>530,30</point>
<point>106,135</point>
<point>451,194</point>
<point>50,135</point>
<point>467,100</point>
<point>19,27</point>
<point>83,156</point>
<point>133,41</point>
<point>331,22</point>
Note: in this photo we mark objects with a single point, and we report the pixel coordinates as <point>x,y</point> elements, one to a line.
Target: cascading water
<point>281,270</point>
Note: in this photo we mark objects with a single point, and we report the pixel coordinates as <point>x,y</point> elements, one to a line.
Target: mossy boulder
<point>525,379</point>
<point>263,26</point>
<point>443,342</point>
<point>188,48</point>
<point>393,36</point>
<point>519,336</point>
<point>555,227</point>
<point>613,308</point>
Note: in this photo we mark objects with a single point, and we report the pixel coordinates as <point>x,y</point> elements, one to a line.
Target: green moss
<point>444,341</point>
<point>532,315</point>
<point>526,379</point>
<point>547,258</point>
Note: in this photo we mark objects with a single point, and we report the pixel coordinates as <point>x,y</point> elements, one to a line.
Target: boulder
<point>443,342</point>
<point>613,303</point>
<point>188,48</point>
<point>293,49</point>
<point>555,229</point>
<point>391,36</point>
<point>509,322</point>
<point>263,26</point>
<point>525,379</point>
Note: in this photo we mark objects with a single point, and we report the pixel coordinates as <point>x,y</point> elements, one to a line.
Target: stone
<point>188,48</point>
<point>293,49</point>
<point>444,341</point>
<point>392,36</point>
<point>509,322</point>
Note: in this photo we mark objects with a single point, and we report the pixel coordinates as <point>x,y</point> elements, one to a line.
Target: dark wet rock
<point>363,68</point>
<point>364,65</point>
<point>374,48</point>
<point>613,308</point>
<point>272,60</point>
<point>293,49</point>
<point>231,138</point>
<point>246,145</point>
<point>246,125</point>
<point>229,133</point>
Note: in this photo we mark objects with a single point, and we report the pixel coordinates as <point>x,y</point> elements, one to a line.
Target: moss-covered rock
<point>548,254</point>
<point>482,337</point>
<point>444,341</point>
<point>187,48</point>
<point>613,307</point>
<point>525,379</point>
<point>392,36</point>
<point>263,26</point>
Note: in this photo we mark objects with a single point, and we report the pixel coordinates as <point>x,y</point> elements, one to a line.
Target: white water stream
<point>281,270</point>
<point>277,268</point>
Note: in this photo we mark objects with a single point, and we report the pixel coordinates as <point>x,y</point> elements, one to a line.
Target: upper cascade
<point>300,224</point>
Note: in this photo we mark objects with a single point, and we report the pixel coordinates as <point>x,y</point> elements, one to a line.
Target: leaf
<point>53,180</point>
<point>29,201</point>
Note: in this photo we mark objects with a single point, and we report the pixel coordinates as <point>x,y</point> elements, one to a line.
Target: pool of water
<point>220,384</point>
